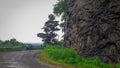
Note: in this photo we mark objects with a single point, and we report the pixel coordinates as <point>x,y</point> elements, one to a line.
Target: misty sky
<point>23,19</point>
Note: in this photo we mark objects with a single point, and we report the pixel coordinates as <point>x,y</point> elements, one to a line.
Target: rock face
<point>92,28</point>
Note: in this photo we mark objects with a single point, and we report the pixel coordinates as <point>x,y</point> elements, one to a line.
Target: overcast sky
<point>23,19</point>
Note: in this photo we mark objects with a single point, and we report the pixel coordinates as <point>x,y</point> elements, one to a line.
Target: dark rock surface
<point>92,28</point>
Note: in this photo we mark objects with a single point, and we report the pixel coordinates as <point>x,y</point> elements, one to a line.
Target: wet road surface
<point>21,59</point>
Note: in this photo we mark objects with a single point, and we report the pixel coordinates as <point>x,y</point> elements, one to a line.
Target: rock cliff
<point>92,28</point>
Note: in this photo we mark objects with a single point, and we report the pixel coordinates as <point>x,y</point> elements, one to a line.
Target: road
<point>21,59</point>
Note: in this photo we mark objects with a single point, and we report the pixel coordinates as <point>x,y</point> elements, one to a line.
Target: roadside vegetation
<point>68,58</point>
<point>14,45</point>
<point>37,47</point>
<point>11,45</point>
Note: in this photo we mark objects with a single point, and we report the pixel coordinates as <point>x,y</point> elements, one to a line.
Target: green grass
<point>37,47</point>
<point>12,49</point>
<point>19,49</point>
<point>68,58</point>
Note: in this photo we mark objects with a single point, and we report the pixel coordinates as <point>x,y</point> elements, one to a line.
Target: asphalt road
<point>22,59</point>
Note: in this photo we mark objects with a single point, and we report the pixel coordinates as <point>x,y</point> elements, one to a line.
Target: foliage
<point>37,47</point>
<point>60,9</point>
<point>8,44</point>
<point>68,57</point>
<point>12,49</point>
<point>49,28</point>
<point>1,41</point>
<point>11,42</point>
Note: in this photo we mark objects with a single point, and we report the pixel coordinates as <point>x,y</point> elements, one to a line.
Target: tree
<point>1,41</point>
<point>49,30</point>
<point>60,9</point>
<point>13,41</point>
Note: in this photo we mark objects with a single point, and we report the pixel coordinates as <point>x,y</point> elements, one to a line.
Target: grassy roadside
<point>42,56</point>
<point>67,58</point>
<point>20,49</point>
<point>12,49</point>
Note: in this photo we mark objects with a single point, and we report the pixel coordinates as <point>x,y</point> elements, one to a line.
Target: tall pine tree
<point>49,35</point>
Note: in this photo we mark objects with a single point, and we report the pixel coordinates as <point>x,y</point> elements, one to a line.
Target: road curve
<point>21,59</point>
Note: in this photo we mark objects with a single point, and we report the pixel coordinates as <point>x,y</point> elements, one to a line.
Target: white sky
<point>23,19</point>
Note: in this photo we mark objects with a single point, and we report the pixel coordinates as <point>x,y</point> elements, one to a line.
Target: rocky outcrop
<point>92,28</point>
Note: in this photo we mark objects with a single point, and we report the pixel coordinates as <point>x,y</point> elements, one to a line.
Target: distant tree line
<point>10,43</point>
